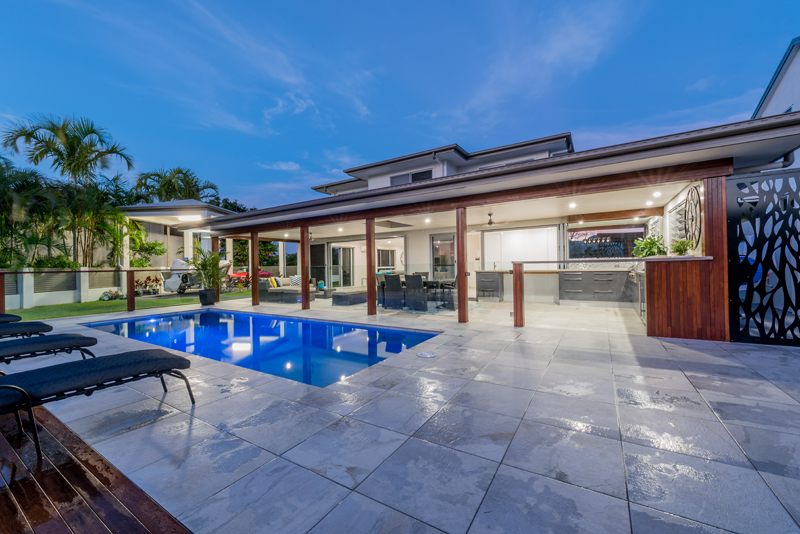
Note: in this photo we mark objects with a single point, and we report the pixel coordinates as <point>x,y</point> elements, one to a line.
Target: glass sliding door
<point>443,256</point>
<point>317,263</point>
<point>341,266</point>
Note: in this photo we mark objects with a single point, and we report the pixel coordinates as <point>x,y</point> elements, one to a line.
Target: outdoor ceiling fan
<point>491,223</point>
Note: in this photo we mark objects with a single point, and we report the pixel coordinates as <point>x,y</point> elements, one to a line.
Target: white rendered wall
<point>786,91</point>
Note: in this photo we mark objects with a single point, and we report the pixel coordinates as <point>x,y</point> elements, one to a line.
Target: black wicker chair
<point>393,294</point>
<point>416,293</point>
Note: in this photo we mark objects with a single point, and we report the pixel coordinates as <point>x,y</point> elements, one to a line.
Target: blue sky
<point>267,99</point>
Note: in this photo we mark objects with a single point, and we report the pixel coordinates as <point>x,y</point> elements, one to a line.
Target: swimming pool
<point>313,352</point>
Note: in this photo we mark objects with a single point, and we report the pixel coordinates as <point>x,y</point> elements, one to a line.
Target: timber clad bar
<point>446,230</point>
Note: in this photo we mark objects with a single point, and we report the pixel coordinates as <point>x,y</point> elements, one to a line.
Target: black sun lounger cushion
<point>25,328</point>
<point>9,318</point>
<point>57,379</point>
<point>58,342</point>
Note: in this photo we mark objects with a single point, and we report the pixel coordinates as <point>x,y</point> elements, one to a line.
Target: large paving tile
<point>359,515</point>
<point>338,401</point>
<point>430,386</point>
<point>678,433</point>
<point>78,407</point>
<point>494,398</point>
<point>649,521</point>
<point>519,502</point>
<point>510,376</point>
<point>106,425</point>
<point>469,430</point>
<point>788,491</point>
<point>184,479</point>
<point>249,378</point>
<point>474,355</point>
<point>205,390</point>
<point>680,402</point>
<point>268,421</point>
<point>585,460</point>
<point>742,388</point>
<point>147,444</point>
<point>440,486</point>
<point>278,498</point>
<point>346,451</point>
<point>454,367</point>
<point>717,494</point>
<point>770,451</point>
<point>647,376</point>
<point>391,379</point>
<point>398,412</point>
<point>585,387</point>
<point>757,414</point>
<point>288,389</point>
<point>574,413</point>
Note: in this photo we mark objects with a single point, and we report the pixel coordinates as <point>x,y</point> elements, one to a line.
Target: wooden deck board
<point>73,489</point>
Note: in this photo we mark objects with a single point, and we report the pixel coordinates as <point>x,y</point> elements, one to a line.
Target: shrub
<point>649,246</point>
<point>680,246</point>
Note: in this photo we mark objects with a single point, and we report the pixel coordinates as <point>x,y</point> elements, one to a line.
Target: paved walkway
<point>576,423</point>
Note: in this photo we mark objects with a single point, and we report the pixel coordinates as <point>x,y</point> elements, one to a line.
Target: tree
<point>231,205</point>
<point>177,183</point>
<point>76,148</point>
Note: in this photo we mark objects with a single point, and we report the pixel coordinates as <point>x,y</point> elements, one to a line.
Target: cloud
<point>280,166</point>
<point>701,86</point>
<point>343,158</point>
<point>723,111</point>
<point>353,86</point>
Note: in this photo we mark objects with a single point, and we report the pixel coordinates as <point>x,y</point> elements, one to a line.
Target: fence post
<point>519,294</point>
<point>25,288</point>
<point>131,292</point>
<point>3,285</point>
<point>83,284</point>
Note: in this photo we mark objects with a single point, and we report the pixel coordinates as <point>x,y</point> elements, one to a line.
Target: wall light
<point>189,218</point>
<point>572,205</point>
<point>657,194</point>
<point>649,203</point>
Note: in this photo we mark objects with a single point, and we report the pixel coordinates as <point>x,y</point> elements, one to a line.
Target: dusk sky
<point>267,99</point>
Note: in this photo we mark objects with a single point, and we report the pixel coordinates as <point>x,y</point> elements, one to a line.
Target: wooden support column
<point>254,268</point>
<point>461,265</point>
<point>215,249</point>
<point>715,243</point>
<point>372,295</point>
<point>305,274</point>
<point>131,291</point>
<point>519,294</point>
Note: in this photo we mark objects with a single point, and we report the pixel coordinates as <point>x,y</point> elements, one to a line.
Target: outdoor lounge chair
<point>30,347</point>
<point>9,318</point>
<point>24,329</point>
<point>24,390</point>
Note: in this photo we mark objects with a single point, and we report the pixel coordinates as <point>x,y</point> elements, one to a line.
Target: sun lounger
<point>24,390</point>
<point>24,329</point>
<point>30,347</point>
<point>9,318</point>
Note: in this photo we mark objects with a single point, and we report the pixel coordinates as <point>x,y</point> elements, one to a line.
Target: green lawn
<point>110,306</point>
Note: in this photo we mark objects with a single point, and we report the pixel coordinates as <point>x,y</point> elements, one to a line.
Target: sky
<point>267,99</point>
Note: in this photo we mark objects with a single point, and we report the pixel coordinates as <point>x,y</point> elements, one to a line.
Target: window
<point>385,258</point>
<point>412,177</point>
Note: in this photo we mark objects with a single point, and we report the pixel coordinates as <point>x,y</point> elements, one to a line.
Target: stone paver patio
<point>575,423</point>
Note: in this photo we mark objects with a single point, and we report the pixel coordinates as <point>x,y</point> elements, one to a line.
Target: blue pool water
<point>313,352</point>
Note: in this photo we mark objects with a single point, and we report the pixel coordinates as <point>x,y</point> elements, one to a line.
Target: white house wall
<point>786,91</point>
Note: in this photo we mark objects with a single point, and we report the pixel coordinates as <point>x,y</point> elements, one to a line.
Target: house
<point>782,94</point>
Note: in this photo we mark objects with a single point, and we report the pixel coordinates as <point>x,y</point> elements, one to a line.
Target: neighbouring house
<point>782,94</point>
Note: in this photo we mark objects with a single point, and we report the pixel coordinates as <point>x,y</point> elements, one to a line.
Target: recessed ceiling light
<point>340,229</point>
<point>636,218</point>
<point>572,205</point>
<point>285,235</point>
<point>189,218</point>
<point>580,222</point>
<point>389,242</point>
<point>657,194</point>
<point>649,202</point>
<point>427,220</point>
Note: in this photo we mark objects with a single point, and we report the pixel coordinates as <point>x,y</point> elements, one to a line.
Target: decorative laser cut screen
<point>764,246</point>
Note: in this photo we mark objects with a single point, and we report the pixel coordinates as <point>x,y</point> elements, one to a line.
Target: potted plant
<point>208,274</point>
<point>649,246</point>
<point>680,246</point>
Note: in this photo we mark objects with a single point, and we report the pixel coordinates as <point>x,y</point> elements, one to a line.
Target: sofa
<point>286,294</point>
<point>348,296</point>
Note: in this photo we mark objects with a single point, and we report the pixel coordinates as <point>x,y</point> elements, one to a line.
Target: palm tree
<point>177,183</point>
<point>76,148</point>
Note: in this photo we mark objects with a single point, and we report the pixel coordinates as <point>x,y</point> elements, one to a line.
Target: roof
<point>747,143</point>
<point>567,137</point>
<point>177,205</point>
<point>771,85</point>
